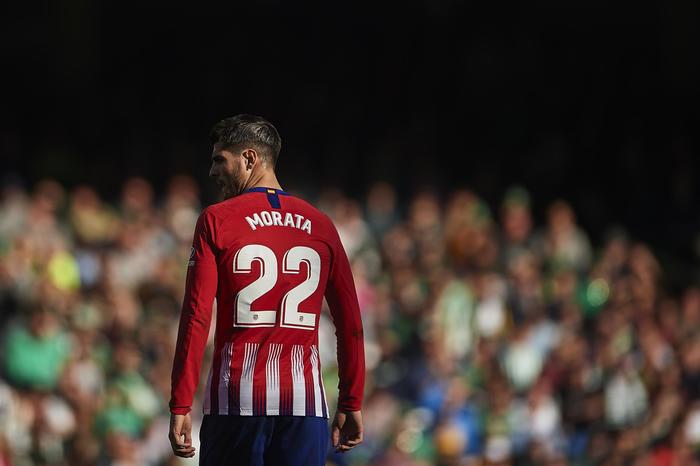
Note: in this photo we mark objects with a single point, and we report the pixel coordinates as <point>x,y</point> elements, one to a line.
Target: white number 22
<point>291,263</point>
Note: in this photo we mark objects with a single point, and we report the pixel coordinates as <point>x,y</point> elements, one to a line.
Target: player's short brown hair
<point>248,129</point>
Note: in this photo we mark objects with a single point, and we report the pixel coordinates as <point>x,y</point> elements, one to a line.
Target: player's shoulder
<point>294,201</point>
<point>311,211</point>
<point>214,214</point>
<point>224,208</point>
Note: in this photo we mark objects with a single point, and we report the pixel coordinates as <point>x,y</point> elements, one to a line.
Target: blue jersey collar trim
<point>262,189</point>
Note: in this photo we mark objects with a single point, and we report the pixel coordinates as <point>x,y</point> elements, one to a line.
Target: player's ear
<point>251,158</point>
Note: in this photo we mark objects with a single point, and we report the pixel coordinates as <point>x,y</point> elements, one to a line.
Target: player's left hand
<point>346,430</point>
<point>181,435</point>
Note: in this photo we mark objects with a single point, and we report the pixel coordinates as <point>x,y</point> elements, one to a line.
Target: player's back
<point>274,253</point>
<point>268,259</point>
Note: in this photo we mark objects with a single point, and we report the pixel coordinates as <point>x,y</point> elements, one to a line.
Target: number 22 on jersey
<point>291,264</point>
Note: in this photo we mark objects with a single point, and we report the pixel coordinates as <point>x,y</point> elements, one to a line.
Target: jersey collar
<point>262,189</point>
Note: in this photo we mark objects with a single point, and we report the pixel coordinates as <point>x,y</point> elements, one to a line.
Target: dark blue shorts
<point>263,441</point>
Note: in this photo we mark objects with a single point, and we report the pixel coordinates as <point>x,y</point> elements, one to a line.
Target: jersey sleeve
<point>345,311</point>
<point>195,318</point>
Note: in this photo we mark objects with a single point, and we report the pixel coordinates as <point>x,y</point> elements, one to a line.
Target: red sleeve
<point>345,310</point>
<point>195,318</point>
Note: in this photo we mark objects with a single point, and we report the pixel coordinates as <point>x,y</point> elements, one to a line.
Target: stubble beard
<point>228,191</point>
<point>232,187</point>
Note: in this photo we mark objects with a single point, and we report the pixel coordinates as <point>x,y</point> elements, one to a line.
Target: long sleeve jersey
<point>268,258</point>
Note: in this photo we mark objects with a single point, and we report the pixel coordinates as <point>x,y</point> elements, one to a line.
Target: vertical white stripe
<point>272,380</point>
<point>247,373</point>
<point>298,384</point>
<point>206,407</point>
<point>225,377</point>
<point>317,385</point>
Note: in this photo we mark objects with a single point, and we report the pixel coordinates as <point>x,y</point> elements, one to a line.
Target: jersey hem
<point>209,413</point>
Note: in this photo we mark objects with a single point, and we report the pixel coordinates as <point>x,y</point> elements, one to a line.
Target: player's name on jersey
<point>268,219</point>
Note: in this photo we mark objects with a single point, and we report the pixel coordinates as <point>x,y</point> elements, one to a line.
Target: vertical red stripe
<point>309,382</point>
<point>320,382</point>
<point>234,387</point>
<point>286,381</point>
<point>260,381</point>
<point>215,379</point>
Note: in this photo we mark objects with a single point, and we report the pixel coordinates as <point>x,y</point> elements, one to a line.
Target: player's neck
<point>265,179</point>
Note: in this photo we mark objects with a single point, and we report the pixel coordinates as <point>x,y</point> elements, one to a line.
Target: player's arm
<point>345,310</point>
<point>195,319</point>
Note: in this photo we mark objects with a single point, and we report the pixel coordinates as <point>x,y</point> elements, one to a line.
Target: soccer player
<point>268,258</point>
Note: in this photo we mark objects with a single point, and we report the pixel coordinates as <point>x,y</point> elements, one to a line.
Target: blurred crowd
<point>490,340</point>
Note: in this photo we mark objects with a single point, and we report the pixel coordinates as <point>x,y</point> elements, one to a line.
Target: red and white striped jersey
<point>269,259</point>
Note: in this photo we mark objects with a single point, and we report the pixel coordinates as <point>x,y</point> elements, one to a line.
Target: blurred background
<point>516,186</point>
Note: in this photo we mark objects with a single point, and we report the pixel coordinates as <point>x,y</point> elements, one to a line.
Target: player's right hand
<point>346,431</point>
<point>181,435</point>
